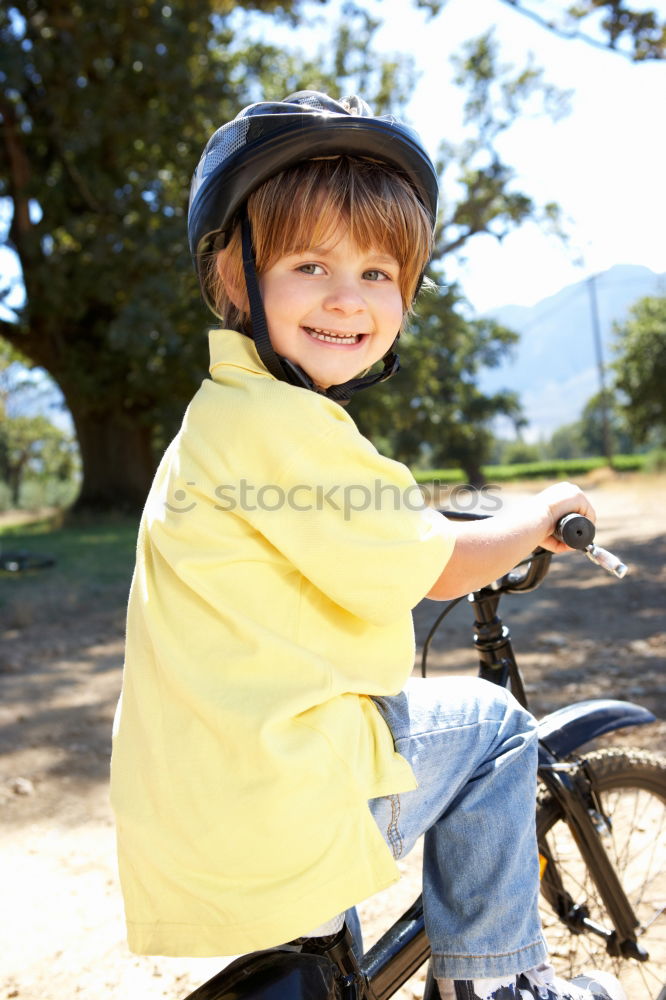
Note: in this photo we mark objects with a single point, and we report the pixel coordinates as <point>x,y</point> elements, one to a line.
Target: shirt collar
<point>228,348</point>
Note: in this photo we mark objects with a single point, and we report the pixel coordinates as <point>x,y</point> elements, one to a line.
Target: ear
<point>233,281</point>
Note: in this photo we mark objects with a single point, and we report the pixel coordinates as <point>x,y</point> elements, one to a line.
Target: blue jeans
<point>473,751</point>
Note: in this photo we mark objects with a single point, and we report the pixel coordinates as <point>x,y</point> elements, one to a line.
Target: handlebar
<point>574,530</point>
<point>578,533</point>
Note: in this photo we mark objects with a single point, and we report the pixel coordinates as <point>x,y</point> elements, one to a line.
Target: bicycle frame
<point>561,734</point>
<point>404,947</point>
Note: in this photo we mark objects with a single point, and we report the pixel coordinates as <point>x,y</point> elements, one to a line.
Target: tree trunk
<point>14,479</point>
<point>474,473</point>
<point>118,463</point>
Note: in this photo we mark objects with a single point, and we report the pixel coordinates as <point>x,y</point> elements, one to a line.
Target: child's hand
<point>486,550</point>
<point>557,501</point>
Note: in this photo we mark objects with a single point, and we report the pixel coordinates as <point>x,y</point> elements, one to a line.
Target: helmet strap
<point>262,341</point>
<point>281,368</point>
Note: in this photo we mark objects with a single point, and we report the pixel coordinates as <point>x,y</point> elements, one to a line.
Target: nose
<point>345,296</point>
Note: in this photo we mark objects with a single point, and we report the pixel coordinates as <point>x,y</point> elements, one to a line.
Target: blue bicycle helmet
<point>268,137</point>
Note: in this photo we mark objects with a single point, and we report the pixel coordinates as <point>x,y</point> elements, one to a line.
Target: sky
<point>605,163</point>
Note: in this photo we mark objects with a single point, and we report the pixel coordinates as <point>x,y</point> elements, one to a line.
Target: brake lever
<point>577,532</point>
<point>607,561</point>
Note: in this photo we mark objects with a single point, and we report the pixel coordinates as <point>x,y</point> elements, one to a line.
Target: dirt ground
<point>583,634</point>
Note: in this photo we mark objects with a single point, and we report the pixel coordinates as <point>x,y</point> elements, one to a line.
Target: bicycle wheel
<point>632,787</point>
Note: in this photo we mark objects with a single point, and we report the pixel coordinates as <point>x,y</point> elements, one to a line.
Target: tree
<point>104,111</point>
<point>433,408</point>
<point>33,446</point>
<point>565,442</point>
<point>640,369</point>
<point>496,96</point>
<point>103,114</point>
<point>17,381</point>
<point>636,34</point>
<point>592,430</point>
<point>520,452</point>
<point>585,438</point>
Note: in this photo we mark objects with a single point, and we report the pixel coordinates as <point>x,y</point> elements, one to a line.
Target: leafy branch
<point>643,30</point>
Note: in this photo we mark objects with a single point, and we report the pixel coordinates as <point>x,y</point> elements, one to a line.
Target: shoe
<point>542,984</point>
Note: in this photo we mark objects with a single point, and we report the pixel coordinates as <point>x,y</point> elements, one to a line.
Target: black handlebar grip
<point>575,530</point>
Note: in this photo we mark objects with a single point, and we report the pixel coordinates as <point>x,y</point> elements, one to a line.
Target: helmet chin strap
<point>281,368</point>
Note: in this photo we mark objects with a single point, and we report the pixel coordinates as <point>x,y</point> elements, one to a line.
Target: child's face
<point>334,309</point>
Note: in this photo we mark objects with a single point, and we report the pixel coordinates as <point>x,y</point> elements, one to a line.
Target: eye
<point>376,275</point>
<point>310,268</point>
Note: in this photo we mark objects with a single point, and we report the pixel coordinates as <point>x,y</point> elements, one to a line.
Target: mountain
<point>554,368</point>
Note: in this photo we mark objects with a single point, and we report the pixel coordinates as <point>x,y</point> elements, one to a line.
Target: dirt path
<point>582,635</point>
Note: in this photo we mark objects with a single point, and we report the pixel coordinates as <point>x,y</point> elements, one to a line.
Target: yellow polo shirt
<point>278,559</point>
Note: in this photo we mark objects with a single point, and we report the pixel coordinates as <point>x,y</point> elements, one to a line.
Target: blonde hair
<point>305,206</point>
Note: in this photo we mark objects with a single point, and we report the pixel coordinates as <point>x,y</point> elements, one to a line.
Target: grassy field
<point>92,564</point>
<point>561,468</point>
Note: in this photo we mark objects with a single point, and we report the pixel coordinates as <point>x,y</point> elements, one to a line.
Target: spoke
<point>635,846</point>
<point>645,927</point>
<point>649,976</point>
<point>622,858</point>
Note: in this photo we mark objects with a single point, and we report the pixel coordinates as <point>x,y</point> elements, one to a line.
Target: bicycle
<point>22,561</point>
<point>601,817</point>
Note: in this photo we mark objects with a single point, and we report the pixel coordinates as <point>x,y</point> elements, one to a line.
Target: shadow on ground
<point>582,634</point>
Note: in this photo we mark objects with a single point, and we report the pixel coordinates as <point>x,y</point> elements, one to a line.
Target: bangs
<point>312,203</point>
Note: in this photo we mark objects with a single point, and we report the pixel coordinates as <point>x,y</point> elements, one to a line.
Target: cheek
<point>273,301</point>
<point>281,296</point>
<point>282,311</point>
<point>395,310</point>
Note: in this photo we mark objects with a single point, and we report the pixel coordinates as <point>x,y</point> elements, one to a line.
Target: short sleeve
<point>355,524</point>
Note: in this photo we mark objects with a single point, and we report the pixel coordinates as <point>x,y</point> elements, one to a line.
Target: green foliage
<point>546,469</point>
<point>640,34</point>
<point>554,469</point>
<point>497,95</point>
<point>39,494</point>
<point>521,453</point>
<point>32,448</point>
<point>433,409</point>
<point>597,412</point>
<point>444,476</point>
<point>105,109</point>
<point>93,567</point>
<point>655,461</point>
<point>642,29</point>
<point>640,369</point>
<point>562,468</point>
<point>565,442</point>
<point>586,437</point>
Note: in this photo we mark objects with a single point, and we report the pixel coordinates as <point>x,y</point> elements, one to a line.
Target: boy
<point>267,768</point>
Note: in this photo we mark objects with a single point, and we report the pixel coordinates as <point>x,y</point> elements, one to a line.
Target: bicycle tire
<point>632,789</point>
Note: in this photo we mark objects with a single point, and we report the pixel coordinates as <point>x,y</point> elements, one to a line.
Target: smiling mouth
<point>334,338</point>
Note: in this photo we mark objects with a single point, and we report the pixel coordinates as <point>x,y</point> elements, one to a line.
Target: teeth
<point>331,338</point>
